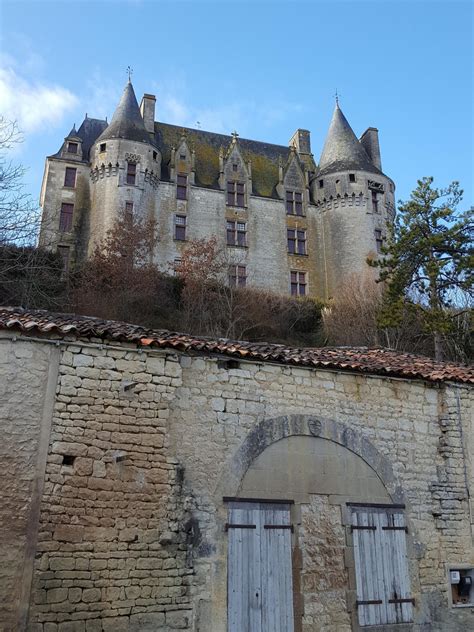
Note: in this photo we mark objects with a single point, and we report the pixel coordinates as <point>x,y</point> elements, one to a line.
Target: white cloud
<point>33,105</point>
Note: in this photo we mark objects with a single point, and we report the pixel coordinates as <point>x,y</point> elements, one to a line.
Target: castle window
<point>182,156</point>
<point>128,211</point>
<point>352,177</point>
<point>155,155</point>
<point>238,276</point>
<point>378,240</point>
<point>234,167</point>
<point>297,283</point>
<point>65,217</point>
<point>131,172</point>
<point>102,147</point>
<point>180,227</point>
<point>72,148</point>
<point>375,202</point>
<point>70,177</point>
<point>294,203</point>
<point>236,233</point>
<point>235,193</point>
<point>176,265</point>
<point>181,188</point>
<point>321,184</point>
<point>296,241</point>
<point>64,253</point>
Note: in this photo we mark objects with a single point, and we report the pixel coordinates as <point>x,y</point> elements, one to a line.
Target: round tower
<point>125,168</point>
<point>355,200</point>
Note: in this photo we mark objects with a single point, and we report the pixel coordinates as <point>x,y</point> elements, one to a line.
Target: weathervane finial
<point>129,73</point>
<point>337,95</point>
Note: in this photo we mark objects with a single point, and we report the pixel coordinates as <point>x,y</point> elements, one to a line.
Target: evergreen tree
<point>428,260</point>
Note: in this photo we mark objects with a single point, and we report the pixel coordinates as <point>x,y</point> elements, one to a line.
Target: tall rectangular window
<point>180,227</point>
<point>294,203</point>
<point>65,217</point>
<point>381,567</point>
<point>181,187</point>
<point>375,202</point>
<point>236,233</point>
<point>70,177</point>
<point>128,211</point>
<point>297,283</point>
<point>72,148</point>
<point>235,193</point>
<point>378,239</point>
<point>238,275</point>
<point>131,172</point>
<point>296,241</point>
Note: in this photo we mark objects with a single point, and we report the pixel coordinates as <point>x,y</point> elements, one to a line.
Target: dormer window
<point>321,184</point>
<point>234,167</point>
<point>235,193</point>
<point>72,148</point>
<point>131,172</point>
<point>352,177</point>
<point>294,203</point>
<point>103,147</point>
<point>182,156</point>
<point>181,187</point>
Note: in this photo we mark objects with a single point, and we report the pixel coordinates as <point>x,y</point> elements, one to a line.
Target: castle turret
<point>356,200</point>
<point>125,168</point>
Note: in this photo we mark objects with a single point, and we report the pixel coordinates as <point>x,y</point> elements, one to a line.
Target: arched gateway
<point>315,532</point>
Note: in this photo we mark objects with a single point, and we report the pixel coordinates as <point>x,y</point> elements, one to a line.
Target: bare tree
<point>19,216</point>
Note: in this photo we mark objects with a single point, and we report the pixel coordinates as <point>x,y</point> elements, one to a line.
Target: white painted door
<point>259,585</point>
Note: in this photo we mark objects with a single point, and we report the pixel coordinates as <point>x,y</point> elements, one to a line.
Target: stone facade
<point>119,460</point>
<point>282,189</point>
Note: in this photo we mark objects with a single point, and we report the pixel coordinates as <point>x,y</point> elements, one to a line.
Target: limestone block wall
<point>112,543</point>
<point>145,444</point>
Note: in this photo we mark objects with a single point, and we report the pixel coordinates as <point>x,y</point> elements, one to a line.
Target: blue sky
<point>261,67</point>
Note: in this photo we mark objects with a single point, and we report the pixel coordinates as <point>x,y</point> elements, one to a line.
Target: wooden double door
<point>259,586</point>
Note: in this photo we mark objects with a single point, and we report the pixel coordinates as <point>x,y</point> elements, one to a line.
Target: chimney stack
<point>147,110</point>
<point>370,142</point>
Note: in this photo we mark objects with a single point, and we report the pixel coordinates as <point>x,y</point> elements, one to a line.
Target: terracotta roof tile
<point>358,359</point>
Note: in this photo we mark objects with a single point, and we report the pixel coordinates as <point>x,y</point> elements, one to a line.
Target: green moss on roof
<point>263,156</point>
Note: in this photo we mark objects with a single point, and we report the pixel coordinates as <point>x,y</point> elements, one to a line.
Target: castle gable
<point>264,157</point>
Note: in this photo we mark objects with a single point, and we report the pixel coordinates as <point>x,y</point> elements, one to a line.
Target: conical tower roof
<point>342,151</point>
<point>127,121</point>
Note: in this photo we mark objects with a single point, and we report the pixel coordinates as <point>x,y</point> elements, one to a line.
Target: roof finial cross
<point>337,95</point>
<point>235,135</point>
<point>129,71</point>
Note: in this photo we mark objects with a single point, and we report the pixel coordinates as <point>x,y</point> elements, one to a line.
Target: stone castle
<point>288,224</point>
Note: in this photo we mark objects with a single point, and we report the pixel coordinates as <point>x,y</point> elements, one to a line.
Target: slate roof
<point>88,132</point>
<point>383,362</point>
<point>263,156</point>
<point>127,121</point>
<point>342,150</point>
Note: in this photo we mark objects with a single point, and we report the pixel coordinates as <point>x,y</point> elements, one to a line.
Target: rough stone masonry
<point>117,457</point>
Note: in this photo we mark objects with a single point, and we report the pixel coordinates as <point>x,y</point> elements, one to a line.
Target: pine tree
<point>428,259</point>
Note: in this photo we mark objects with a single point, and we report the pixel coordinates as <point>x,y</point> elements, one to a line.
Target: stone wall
<point>27,385</point>
<point>145,444</point>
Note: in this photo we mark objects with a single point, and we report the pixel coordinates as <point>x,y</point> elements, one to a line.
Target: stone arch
<point>269,431</point>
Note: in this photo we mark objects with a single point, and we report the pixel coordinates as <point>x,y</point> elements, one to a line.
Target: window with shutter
<point>381,567</point>
<point>260,587</point>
